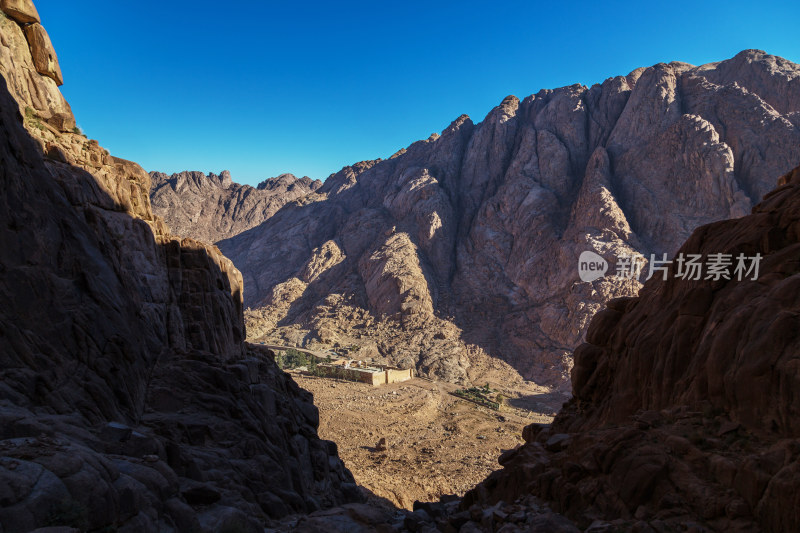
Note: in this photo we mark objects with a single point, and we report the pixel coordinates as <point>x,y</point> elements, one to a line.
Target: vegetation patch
<point>291,359</point>
<point>33,119</point>
<point>481,396</point>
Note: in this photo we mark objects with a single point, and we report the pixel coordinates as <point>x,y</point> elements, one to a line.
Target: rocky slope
<point>211,208</point>
<point>683,416</point>
<point>128,398</point>
<point>468,242</point>
<point>684,410</point>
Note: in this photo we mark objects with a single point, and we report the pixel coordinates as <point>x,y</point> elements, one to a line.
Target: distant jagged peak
<point>224,180</point>
<point>457,124</point>
<point>194,177</point>
<point>753,55</point>
<point>749,62</point>
<point>347,176</point>
<point>775,79</point>
<point>212,207</point>
<point>288,181</point>
<point>509,104</point>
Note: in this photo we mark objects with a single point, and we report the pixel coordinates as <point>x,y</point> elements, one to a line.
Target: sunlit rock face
<point>211,207</point>
<point>481,227</point>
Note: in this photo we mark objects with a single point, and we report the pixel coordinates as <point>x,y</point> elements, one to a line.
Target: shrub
<point>32,118</point>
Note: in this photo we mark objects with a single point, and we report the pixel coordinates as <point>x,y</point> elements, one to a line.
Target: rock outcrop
<point>212,208</point>
<point>684,411</point>
<point>37,96</point>
<point>128,398</point>
<point>482,226</point>
<point>23,11</point>
<point>44,55</point>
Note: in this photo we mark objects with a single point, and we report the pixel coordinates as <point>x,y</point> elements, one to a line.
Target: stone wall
<point>353,374</point>
<point>394,375</point>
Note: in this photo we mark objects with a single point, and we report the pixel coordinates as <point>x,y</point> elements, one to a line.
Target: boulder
<point>23,11</point>
<point>44,55</point>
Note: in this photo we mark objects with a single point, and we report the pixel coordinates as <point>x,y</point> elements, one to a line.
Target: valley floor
<point>435,443</point>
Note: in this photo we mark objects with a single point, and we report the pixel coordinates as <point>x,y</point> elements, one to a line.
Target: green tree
<point>295,358</point>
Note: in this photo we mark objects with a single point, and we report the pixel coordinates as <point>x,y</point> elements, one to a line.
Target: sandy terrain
<point>435,443</point>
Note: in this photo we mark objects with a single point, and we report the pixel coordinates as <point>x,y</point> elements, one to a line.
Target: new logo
<point>591,266</point>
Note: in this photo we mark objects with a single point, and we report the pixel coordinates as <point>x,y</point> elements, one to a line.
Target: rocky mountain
<point>129,401</point>
<point>128,398</point>
<point>684,415</point>
<point>211,208</point>
<point>466,245</point>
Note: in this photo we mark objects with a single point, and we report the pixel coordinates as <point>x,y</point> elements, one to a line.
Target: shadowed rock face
<point>128,398</point>
<point>211,208</point>
<point>486,222</point>
<point>685,407</point>
<point>731,343</point>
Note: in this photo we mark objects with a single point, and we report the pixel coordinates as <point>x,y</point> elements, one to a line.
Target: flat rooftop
<point>371,369</point>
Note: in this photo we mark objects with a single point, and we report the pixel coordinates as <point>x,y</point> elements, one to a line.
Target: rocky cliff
<point>685,412</point>
<point>211,207</point>
<point>467,243</point>
<point>128,399</point>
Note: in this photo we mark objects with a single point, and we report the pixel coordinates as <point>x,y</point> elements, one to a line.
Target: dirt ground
<point>435,443</point>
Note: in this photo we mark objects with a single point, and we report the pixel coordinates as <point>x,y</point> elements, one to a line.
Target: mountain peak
<point>496,215</point>
<point>212,207</point>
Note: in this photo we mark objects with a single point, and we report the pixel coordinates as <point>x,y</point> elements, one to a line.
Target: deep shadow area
<point>128,398</point>
<point>538,403</point>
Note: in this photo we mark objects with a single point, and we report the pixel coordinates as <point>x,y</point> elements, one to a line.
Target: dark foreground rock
<point>128,399</point>
<point>684,416</point>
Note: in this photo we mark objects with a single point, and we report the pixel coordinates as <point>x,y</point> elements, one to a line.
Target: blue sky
<point>261,88</point>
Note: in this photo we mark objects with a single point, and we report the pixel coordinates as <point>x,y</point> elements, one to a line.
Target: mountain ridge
<point>129,401</point>
<point>496,213</point>
<point>213,207</point>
